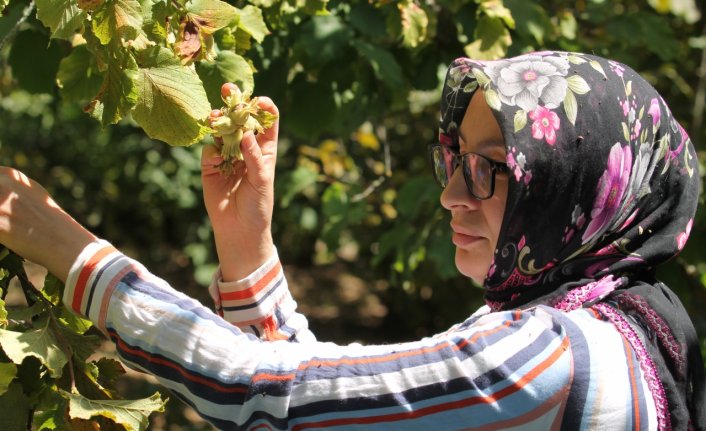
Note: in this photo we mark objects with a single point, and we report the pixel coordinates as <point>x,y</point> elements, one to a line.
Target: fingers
<point>267,104</point>
<point>256,172</point>
<point>210,160</point>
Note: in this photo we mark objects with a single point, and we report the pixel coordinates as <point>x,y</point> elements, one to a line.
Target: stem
<point>25,15</point>
<point>382,136</point>
<point>66,347</point>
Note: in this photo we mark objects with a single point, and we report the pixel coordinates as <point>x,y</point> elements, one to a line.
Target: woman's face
<point>476,223</point>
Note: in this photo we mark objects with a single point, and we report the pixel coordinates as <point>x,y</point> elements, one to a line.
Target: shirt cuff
<point>252,299</point>
<point>96,269</point>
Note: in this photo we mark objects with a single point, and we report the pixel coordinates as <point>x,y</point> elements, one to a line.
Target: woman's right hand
<point>240,205</point>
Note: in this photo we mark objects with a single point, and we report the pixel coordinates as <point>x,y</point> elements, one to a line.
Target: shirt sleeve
<point>511,368</point>
<point>261,304</point>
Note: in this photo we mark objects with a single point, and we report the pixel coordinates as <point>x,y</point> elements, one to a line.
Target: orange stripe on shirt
<point>633,383</point>
<point>489,399</point>
<point>254,289</point>
<point>85,274</point>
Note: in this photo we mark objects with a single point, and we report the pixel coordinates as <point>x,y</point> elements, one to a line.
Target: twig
<point>382,135</point>
<point>25,15</point>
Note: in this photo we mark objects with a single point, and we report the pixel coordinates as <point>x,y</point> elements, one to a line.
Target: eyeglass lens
<point>477,171</point>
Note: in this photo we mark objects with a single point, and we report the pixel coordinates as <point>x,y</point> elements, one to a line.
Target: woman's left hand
<point>35,227</point>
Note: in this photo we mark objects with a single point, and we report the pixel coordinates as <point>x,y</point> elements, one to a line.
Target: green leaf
<point>132,414</point>
<point>3,3</point>
<point>8,371</point>
<point>39,343</point>
<point>211,15</point>
<point>577,84</point>
<point>315,7</point>
<point>227,67</point>
<point>322,40</point>
<point>172,104</point>
<point>531,19</point>
<point>294,182</point>
<point>368,20</point>
<point>16,407</point>
<point>118,93</point>
<point>122,18</point>
<point>492,40</point>
<point>495,9</point>
<point>63,17</point>
<point>3,313</point>
<point>78,76</point>
<point>520,120</point>
<point>34,61</point>
<point>383,63</point>
<point>251,21</point>
<point>568,26</point>
<point>570,107</point>
<point>414,23</point>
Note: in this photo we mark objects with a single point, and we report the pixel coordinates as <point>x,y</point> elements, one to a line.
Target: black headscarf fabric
<point>603,187</point>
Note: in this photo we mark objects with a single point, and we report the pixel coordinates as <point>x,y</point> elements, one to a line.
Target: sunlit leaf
<point>251,21</point>
<point>492,40</point>
<point>496,9</point>
<point>63,17</point>
<point>78,76</point>
<point>118,93</point>
<point>315,7</point>
<point>122,18</point>
<point>8,371</point>
<point>211,15</point>
<point>3,313</point>
<point>172,104</point>
<point>414,23</point>
<point>132,414</point>
<point>39,343</point>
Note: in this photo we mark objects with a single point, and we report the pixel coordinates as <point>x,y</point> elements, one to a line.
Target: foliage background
<point>357,221</point>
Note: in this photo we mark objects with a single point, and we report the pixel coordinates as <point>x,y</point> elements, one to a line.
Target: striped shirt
<point>254,365</point>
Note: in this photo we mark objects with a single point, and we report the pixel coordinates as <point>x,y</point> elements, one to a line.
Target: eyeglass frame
<point>459,160</point>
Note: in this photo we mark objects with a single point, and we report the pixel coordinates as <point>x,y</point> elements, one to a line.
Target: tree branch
<point>25,15</point>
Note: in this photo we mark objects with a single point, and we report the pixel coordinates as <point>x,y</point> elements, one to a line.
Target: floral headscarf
<point>603,187</point>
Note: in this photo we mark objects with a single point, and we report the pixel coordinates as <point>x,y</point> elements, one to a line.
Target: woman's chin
<point>472,266</point>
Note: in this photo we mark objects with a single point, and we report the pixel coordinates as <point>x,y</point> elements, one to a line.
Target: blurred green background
<point>357,221</point>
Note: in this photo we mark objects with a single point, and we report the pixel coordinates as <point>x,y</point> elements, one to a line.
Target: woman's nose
<point>456,193</point>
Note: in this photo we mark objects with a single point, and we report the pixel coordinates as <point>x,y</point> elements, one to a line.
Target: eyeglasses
<point>478,170</point>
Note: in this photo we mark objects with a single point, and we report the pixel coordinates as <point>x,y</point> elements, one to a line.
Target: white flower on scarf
<point>528,79</point>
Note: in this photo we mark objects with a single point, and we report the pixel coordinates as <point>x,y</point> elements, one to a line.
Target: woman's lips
<point>462,239</point>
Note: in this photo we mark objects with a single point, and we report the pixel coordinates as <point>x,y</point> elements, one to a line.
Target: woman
<point>567,180</point>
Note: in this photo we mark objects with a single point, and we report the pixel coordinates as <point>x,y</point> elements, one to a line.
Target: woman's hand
<point>240,205</point>
<point>35,227</point>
